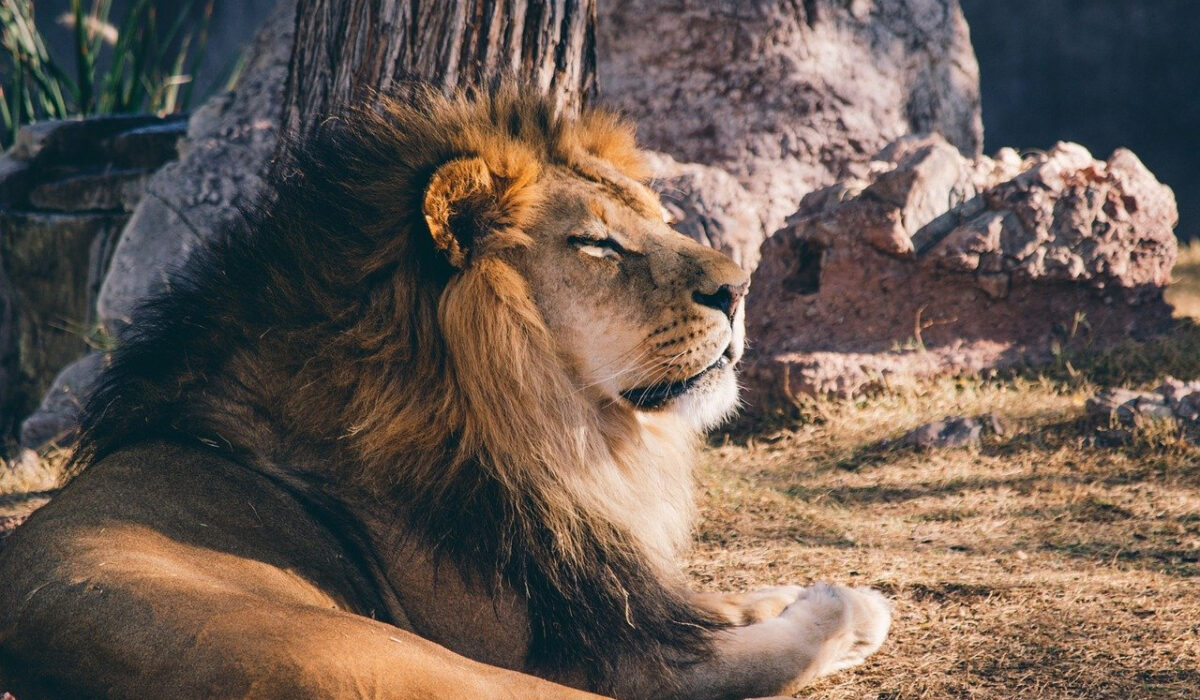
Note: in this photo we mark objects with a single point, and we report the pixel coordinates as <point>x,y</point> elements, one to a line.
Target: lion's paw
<point>870,617</point>
<point>852,621</point>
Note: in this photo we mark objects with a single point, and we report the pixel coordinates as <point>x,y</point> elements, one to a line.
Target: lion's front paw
<point>821,630</point>
<point>851,622</point>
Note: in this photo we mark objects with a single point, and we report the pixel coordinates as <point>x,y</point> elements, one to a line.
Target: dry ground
<point>1036,566</point>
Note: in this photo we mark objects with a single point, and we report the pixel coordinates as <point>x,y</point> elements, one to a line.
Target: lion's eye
<point>597,247</point>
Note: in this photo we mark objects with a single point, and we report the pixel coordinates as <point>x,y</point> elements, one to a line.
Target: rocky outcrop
<point>788,96</point>
<point>66,189</point>
<point>1107,73</point>
<point>229,144</point>
<point>937,262</point>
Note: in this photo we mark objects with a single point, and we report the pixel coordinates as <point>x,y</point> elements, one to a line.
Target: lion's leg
<point>826,629</point>
<point>207,640</point>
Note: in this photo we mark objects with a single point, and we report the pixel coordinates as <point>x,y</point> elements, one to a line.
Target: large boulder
<point>937,262</point>
<point>709,205</point>
<point>788,96</point>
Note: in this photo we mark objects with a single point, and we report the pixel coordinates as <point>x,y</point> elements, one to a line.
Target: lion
<point>421,426</point>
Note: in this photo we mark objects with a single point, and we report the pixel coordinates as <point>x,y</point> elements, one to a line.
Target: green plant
<point>132,66</point>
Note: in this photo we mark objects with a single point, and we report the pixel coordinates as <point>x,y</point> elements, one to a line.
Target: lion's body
<point>421,428</point>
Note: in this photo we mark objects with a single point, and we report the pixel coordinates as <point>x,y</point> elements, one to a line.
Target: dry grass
<point>1184,291</point>
<point>1035,566</point>
<point>25,486</point>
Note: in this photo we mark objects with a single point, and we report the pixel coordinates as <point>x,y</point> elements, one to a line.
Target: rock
<point>788,96</point>
<point>709,205</point>
<point>148,146</point>
<point>951,432</point>
<point>1183,398</point>
<point>66,189</point>
<point>1117,412</point>
<point>1097,71</point>
<point>104,191</point>
<point>937,263</point>
<point>56,419</point>
<point>10,354</point>
<point>1126,406</point>
<point>16,177</point>
<point>80,141</point>
<point>1173,399</point>
<point>229,143</point>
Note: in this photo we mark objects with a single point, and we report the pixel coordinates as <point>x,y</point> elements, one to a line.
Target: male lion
<point>421,428</point>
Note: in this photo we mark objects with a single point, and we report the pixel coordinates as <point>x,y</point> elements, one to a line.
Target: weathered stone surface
<point>1109,74</point>
<point>788,96</point>
<point>16,177</point>
<point>148,146</point>
<point>951,432</point>
<point>82,141</point>
<point>709,205</point>
<point>936,262</point>
<point>229,143</point>
<point>224,158</point>
<point>55,262</point>
<point>113,190</point>
<point>10,384</point>
<point>57,418</point>
<point>65,192</point>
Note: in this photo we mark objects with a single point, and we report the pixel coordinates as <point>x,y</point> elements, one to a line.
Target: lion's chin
<point>711,402</point>
<point>704,401</point>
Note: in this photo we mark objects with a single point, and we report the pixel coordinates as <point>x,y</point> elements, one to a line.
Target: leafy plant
<point>137,65</point>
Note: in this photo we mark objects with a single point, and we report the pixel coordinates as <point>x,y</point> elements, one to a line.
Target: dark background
<point>1104,73</point>
<point>233,24</point>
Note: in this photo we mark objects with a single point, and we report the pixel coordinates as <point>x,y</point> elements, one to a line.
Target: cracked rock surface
<point>222,166</point>
<point>788,96</point>
<point>935,262</point>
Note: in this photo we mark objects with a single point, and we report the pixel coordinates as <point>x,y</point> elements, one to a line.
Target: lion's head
<point>640,314</point>
<point>469,309</point>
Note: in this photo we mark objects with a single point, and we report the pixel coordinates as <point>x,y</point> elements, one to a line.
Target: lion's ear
<point>457,201</point>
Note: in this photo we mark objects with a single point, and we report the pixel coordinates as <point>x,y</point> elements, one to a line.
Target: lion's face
<point>648,317</point>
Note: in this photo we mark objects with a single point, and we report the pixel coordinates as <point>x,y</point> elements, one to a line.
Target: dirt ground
<point>1036,565</point>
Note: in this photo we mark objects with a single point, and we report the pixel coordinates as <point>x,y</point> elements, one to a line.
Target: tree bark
<point>345,49</point>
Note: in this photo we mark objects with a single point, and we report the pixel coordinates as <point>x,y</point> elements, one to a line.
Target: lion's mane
<point>326,341</point>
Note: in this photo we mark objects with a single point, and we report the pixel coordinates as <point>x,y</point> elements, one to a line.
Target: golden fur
<point>451,377</point>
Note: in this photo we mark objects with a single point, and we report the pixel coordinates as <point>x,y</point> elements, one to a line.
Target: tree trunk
<point>344,49</point>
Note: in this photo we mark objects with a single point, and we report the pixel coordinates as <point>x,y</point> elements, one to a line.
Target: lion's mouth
<point>656,396</point>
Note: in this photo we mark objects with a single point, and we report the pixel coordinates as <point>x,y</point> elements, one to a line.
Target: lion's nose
<point>725,299</point>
